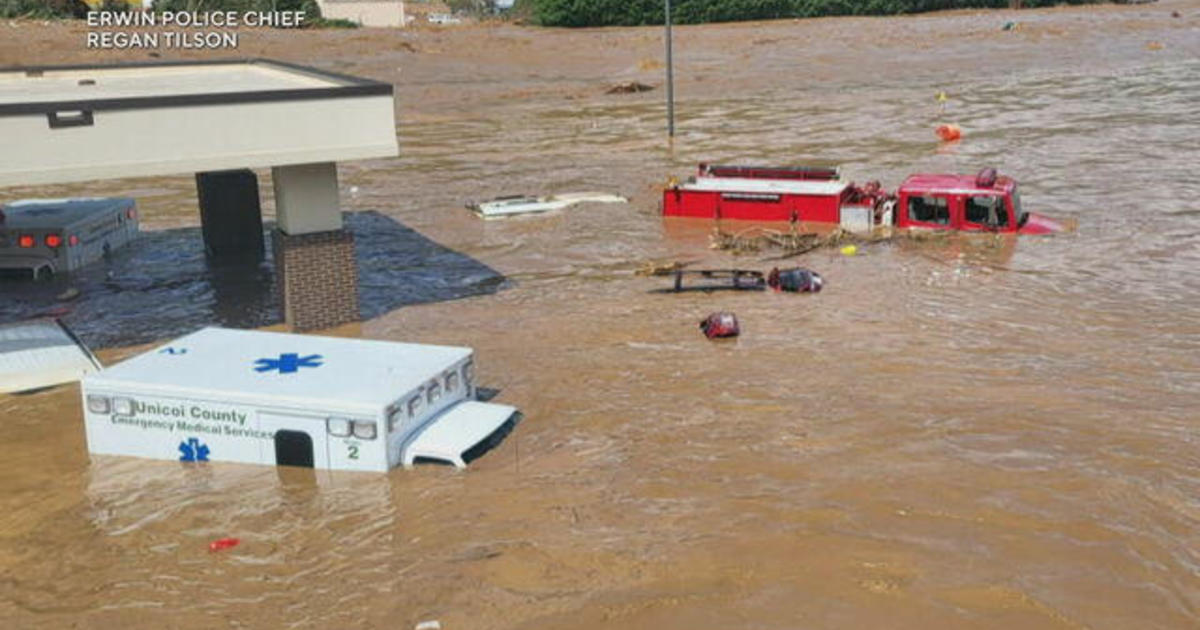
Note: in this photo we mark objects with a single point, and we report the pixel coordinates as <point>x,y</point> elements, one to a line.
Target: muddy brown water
<point>974,433</point>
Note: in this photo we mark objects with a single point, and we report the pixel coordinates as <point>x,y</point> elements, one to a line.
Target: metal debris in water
<point>631,87</point>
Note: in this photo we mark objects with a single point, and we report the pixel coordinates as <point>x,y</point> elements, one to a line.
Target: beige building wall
<point>387,13</point>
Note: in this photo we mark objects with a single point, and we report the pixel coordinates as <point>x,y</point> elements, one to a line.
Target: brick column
<point>317,278</point>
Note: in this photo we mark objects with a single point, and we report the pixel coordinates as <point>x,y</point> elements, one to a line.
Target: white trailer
<point>41,353</point>
<point>42,237</point>
<point>298,400</point>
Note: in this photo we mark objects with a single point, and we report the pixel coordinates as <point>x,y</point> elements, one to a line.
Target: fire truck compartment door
<point>457,430</point>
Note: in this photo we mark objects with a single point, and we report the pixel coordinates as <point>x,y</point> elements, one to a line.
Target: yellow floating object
<point>942,98</point>
<point>849,250</point>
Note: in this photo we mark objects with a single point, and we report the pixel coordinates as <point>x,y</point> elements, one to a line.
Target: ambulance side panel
<point>413,410</point>
<point>171,428</point>
<point>352,452</point>
<point>185,429</point>
<point>104,232</point>
<point>308,426</point>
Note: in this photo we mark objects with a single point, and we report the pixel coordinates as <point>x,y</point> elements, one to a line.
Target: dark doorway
<point>293,448</point>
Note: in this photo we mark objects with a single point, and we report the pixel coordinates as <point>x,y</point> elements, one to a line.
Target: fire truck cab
<point>986,202</point>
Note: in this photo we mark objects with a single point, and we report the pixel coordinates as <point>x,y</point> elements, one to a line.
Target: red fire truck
<point>984,202</point>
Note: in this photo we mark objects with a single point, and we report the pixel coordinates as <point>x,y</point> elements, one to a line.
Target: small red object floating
<point>720,325</point>
<point>948,132</point>
<point>223,543</point>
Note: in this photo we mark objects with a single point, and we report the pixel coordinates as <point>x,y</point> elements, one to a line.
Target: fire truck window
<point>987,210</point>
<point>929,210</point>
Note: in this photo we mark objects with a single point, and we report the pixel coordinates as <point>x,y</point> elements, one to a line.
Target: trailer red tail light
<point>25,241</point>
<point>130,213</point>
<point>53,240</point>
<point>73,240</point>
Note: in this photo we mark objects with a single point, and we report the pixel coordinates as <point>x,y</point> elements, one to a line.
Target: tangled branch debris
<point>795,243</point>
<point>792,243</point>
<point>652,268</point>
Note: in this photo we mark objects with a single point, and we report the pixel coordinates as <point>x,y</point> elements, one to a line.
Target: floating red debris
<point>720,325</point>
<point>223,543</point>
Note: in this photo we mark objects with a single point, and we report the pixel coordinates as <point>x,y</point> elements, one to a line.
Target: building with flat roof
<point>217,119</point>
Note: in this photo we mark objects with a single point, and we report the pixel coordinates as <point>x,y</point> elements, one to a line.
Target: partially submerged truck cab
<point>987,202</point>
<point>299,400</point>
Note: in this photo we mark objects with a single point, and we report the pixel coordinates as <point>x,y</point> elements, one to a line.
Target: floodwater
<point>971,433</point>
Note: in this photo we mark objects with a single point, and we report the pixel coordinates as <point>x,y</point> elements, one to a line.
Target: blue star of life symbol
<point>288,363</point>
<point>193,450</point>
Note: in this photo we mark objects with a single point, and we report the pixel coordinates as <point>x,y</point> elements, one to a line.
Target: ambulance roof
<point>257,367</point>
<point>57,213</point>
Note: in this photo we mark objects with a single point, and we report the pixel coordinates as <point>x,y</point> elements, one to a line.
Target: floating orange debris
<point>948,132</point>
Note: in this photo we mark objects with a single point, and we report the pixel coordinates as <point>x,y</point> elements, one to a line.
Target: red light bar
<point>25,241</point>
<point>73,240</point>
<point>53,240</point>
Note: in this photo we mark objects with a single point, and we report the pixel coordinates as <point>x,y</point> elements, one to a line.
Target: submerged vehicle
<point>43,237</point>
<point>527,204</point>
<point>293,400</point>
<point>987,201</point>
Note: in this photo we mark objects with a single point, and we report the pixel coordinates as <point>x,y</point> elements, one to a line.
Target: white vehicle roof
<point>767,186</point>
<point>505,206</point>
<point>260,367</point>
<point>41,353</point>
<point>56,213</point>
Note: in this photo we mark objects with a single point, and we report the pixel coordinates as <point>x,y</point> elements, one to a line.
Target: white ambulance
<point>293,400</point>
